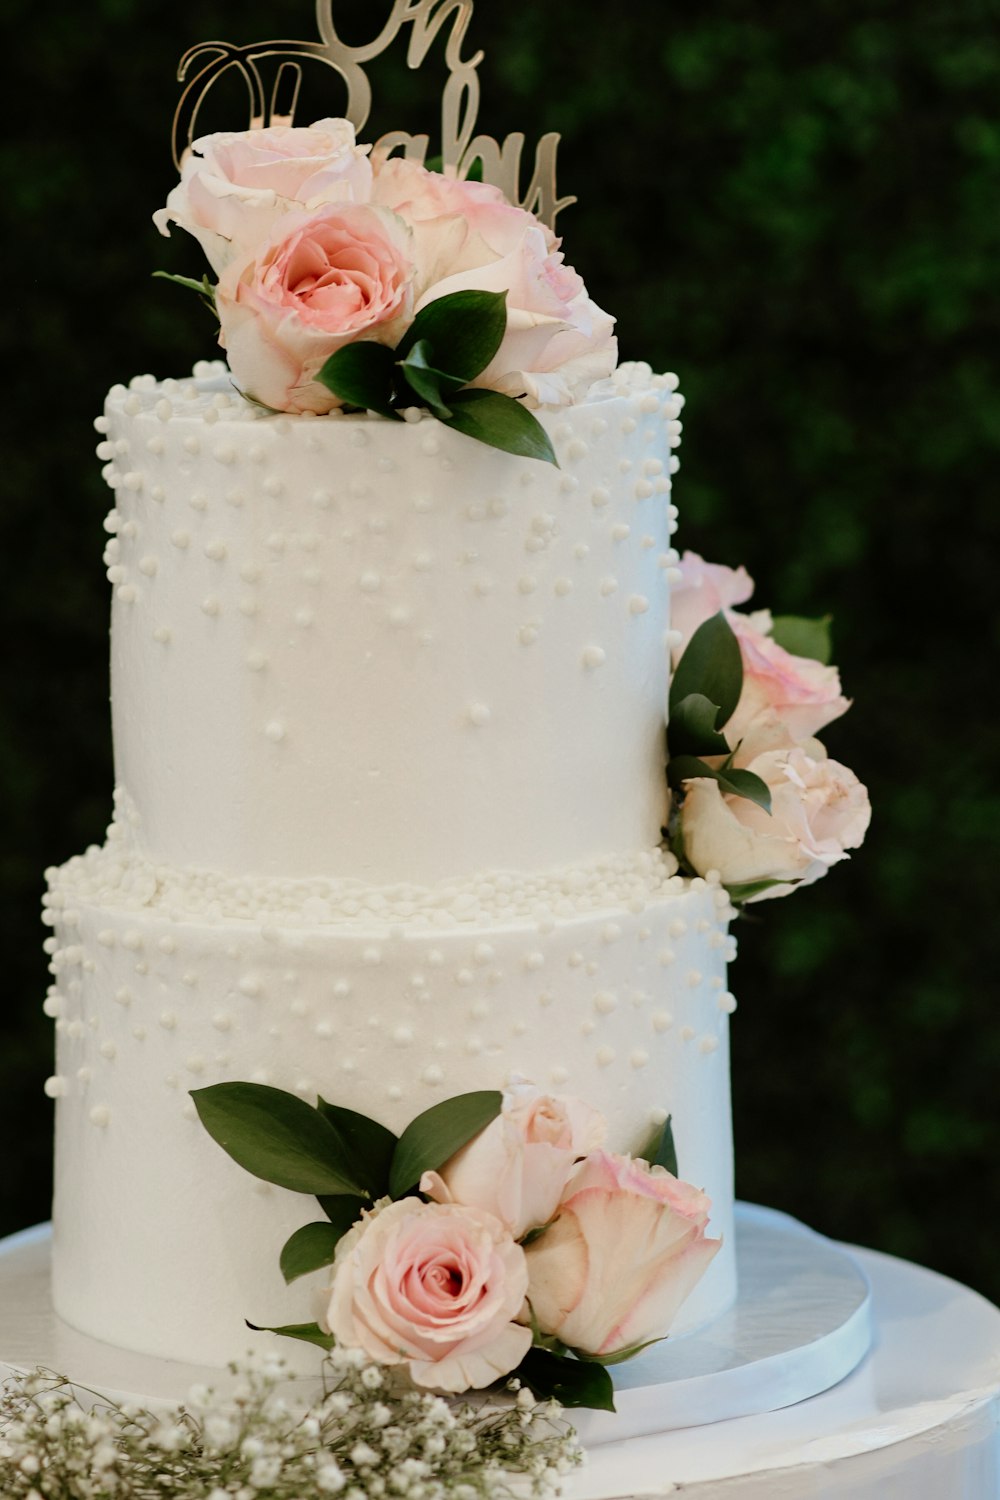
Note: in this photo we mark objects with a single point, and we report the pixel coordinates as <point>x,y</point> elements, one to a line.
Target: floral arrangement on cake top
<point>347,281</point>
<point>756,797</point>
<point>496,1235</point>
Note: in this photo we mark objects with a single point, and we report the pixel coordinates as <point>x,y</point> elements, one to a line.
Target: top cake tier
<point>350,647</point>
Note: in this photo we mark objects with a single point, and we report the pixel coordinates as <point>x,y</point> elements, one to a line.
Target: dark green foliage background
<point>794,206</point>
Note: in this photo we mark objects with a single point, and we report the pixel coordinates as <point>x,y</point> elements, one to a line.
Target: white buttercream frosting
<point>389,737</point>
<point>163,1244</point>
<point>120,874</point>
<point>380,650</point>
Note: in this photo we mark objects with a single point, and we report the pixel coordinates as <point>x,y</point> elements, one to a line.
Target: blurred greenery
<point>795,207</point>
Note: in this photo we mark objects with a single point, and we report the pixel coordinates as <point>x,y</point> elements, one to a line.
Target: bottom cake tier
<point>607,982</point>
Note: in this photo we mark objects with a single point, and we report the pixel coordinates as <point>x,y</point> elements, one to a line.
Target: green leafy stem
<point>204,288</point>
<point>705,690</point>
<point>449,343</point>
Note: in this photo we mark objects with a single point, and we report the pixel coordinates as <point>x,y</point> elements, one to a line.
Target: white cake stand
<point>800,1325</point>
<point>919,1419</point>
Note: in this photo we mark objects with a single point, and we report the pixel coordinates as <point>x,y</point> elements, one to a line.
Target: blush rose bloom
<point>323,280</point>
<point>802,693</point>
<point>469,238</point>
<point>798,695</point>
<point>819,810</point>
<point>518,1166</point>
<point>705,588</point>
<point>628,1246</point>
<point>454,222</point>
<point>236,185</point>
<point>435,1287</point>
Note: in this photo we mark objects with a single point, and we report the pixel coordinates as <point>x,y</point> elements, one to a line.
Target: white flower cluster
<point>363,1438</point>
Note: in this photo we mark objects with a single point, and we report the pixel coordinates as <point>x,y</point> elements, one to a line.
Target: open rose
<point>239,194</point>
<point>627,1248</point>
<point>797,695</point>
<point>469,238</point>
<point>235,185</point>
<point>804,694</point>
<point>819,810</point>
<point>558,341</point>
<point>433,1286</point>
<point>455,223</point>
<point>518,1166</point>
<point>705,588</point>
<point>322,280</point>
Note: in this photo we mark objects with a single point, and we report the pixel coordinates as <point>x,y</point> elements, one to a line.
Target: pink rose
<point>454,222</point>
<point>435,1287</point>
<point>819,810</point>
<point>517,1167</point>
<point>236,185</point>
<point>799,695</point>
<point>803,694</point>
<point>627,1247</point>
<point>321,281</point>
<point>704,590</point>
<point>469,238</point>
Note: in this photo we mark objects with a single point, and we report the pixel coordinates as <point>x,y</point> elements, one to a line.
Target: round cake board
<point>800,1324</point>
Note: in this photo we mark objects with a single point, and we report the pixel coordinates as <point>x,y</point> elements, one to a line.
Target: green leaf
<point>674,835</point>
<point>804,637</point>
<point>620,1356</point>
<point>309,1333</point>
<point>431,386</point>
<point>342,1210</point>
<point>540,1340</point>
<point>308,1249</point>
<point>753,888</point>
<point>573,1382</point>
<point>464,331</point>
<point>692,729</point>
<point>536,1234</point>
<point>369,1144</point>
<point>204,288</point>
<point>660,1150</point>
<point>361,374</point>
<point>501,422</point>
<point>711,666</point>
<point>433,1137</point>
<point>272,411</point>
<point>277,1137</point>
<point>747,784</point>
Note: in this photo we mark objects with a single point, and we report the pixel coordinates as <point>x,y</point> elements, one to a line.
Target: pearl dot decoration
<point>384,875</point>
<point>396,513</point>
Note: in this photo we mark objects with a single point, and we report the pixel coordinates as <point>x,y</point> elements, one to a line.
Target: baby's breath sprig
<point>363,1437</point>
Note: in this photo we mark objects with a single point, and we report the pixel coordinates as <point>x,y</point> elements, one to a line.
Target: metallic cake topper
<point>461,149</point>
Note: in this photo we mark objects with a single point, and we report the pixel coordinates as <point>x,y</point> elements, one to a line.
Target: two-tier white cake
<point>389,716</point>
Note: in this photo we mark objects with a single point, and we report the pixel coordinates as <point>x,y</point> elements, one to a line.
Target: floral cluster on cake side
<point>343,280</point>
<point>497,1235</point>
<point>757,799</point>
